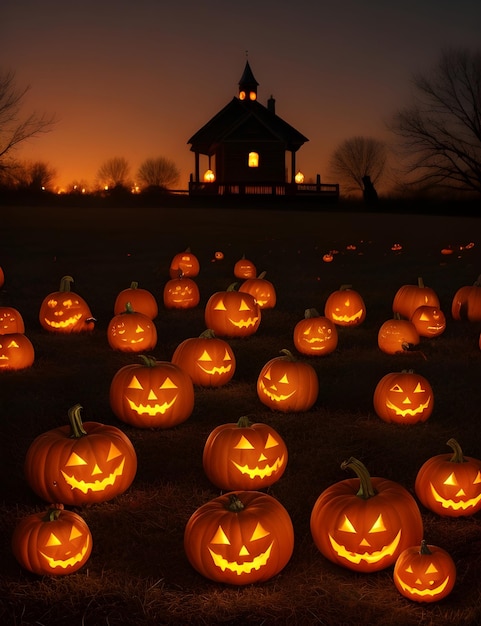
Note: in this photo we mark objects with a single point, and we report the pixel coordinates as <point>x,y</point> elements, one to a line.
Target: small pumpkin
<point>209,360</point>
<point>55,542</point>
<point>141,300</point>
<point>152,394</point>
<point>403,398</point>
<point>185,262</point>
<point>262,289</point>
<point>244,268</point>
<point>397,336</point>
<point>450,485</point>
<point>232,313</point>
<point>81,463</point>
<point>287,384</point>
<point>244,455</point>
<point>181,293</point>
<point>239,538</point>
<point>429,321</point>
<point>16,352</point>
<point>409,297</point>
<point>466,304</point>
<point>11,321</point>
<point>424,573</point>
<point>131,331</point>
<point>345,307</point>
<point>364,523</point>
<point>315,335</point>
<point>64,311</point>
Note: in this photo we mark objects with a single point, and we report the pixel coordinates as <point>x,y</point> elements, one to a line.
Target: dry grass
<point>137,573</point>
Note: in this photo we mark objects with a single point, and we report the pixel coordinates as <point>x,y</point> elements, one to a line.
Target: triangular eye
<point>135,383</point>
<point>259,532</point>
<point>53,540</point>
<point>378,525</point>
<point>284,379</point>
<point>451,480</point>
<point>75,460</point>
<point>424,317</point>
<point>307,332</point>
<point>409,569</point>
<point>347,302</point>
<point>74,533</point>
<point>347,525</point>
<point>114,452</point>
<point>244,306</point>
<point>13,344</point>
<point>220,537</point>
<point>267,375</point>
<point>220,306</point>
<point>244,444</point>
<point>477,480</point>
<point>168,384</point>
<point>271,442</point>
<point>431,569</point>
<point>139,329</point>
<point>205,356</point>
<point>419,389</point>
<point>227,356</point>
<point>397,388</point>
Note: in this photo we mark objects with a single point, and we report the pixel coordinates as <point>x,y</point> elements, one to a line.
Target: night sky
<point>138,79</point>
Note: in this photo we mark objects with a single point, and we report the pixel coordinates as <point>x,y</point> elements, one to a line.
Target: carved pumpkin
<point>409,297</point>
<point>186,263</point>
<point>80,463</point>
<point>244,268</point>
<point>364,523</point>
<point>429,321</point>
<point>55,542</point>
<point>287,384</point>
<point>397,336</point>
<point>181,293</point>
<point>11,321</point>
<point>466,304</point>
<point>16,352</point>
<point>424,574</point>
<point>243,455</point>
<point>64,311</point>
<point>345,307</point>
<point>239,538</point>
<point>315,335</point>
<point>131,331</point>
<point>262,289</point>
<point>209,360</point>
<point>152,394</point>
<point>404,398</point>
<point>141,300</point>
<point>450,485</point>
<point>232,313</point>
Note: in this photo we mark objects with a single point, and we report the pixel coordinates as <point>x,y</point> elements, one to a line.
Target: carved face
<point>263,291</point>
<point>403,397</point>
<point>65,312</point>
<point>244,456</point>
<point>16,351</point>
<point>132,332</point>
<point>184,263</point>
<point>11,321</point>
<point>315,336</point>
<point>429,321</point>
<point>209,360</point>
<point>239,545</point>
<point>245,269</point>
<point>409,297</point>
<point>397,336</point>
<point>232,314</point>
<point>181,293</point>
<point>345,307</point>
<point>157,394</point>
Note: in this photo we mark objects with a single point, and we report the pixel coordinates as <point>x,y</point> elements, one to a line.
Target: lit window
<point>209,176</point>
<point>253,159</point>
<point>242,95</point>
<point>252,95</point>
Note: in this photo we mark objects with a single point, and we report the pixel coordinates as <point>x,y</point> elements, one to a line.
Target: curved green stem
<point>458,453</point>
<point>366,488</point>
<point>148,361</point>
<point>309,313</point>
<point>75,420</point>
<point>207,334</point>
<point>65,283</point>
<point>134,284</point>
<point>244,422</point>
<point>424,549</point>
<point>234,505</point>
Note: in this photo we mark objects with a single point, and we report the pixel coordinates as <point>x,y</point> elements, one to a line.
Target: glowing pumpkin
<point>152,394</point>
<point>466,304</point>
<point>287,384</point>
<point>232,313</point>
<point>55,543</point>
<point>181,293</point>
<point>262,289</point>
<point>141,300</point>
<point>209,360</point>
<point>365,523</point>
<point>244,268</point>
<point>315,335</point>
<point>186,263</point>
<point>16,352</point>
<point>345,307</point>
<point>450,485</point>
<point>80,463</point>
<point>64,311</point>
<point>131,331</point>
<point>243,455</point>
<point>429,321</point>
<point>409,297</point>
<point>424,573</point>
<point>11,321</point>
<point>404,398</point>
<point>397,336</point>
<point>239,538</point>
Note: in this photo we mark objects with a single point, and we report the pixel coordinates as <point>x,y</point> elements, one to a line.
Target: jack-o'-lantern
<point>424,573</point>
<point>287,384</point>
<point>450,485</point>
<point>11,321</point>
<point>345,307</point>
<point>244,268</point>
<point>16,352</point>
<point>131,331</point>
<point>409,297</point>
<point>262,289</point>
<point>404,398</point>
<point>466,304</point>
<point>152,394</point>
<point>186,263</point>
<point>239,538</point>
<point>232,313</point>
<point>243,455</point>
<point>315,335</point>
<point>209,360</point>
<point>397,336</point>
<point>181,293</point>
<point>64,311</point>
<point>364,523</point>
<point>141,300</point>
<point>55,542</point>
<point>81,463</point>
<point>429,321</point>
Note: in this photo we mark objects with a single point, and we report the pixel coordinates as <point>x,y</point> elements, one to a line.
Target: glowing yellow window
<point>253,159</point>
<point>242,95</point>
<point>252,95</point>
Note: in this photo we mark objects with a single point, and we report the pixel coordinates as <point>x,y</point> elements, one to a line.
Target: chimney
<point>271,105</point>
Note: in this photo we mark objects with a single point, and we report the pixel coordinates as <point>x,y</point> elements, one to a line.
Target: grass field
<point>137,573</point>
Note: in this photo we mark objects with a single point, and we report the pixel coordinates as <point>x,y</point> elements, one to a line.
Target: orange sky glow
<point>137,80</point>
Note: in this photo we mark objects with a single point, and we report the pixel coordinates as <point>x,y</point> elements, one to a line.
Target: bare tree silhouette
<point>158,173</point>
<point>114,173</point>
<point>357,160</point>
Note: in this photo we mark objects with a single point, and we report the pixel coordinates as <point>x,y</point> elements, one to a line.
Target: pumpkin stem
<point>262,275</point>
<point>288,354</point>
<point>232,287</point>
<point>308,313</point>
<point>244,422</point>
<point>128,308</point>
<point>65,283</point>
<point>134,284</point>
<point>344,287</point>
<point>207,334</point>
<point>477,282</point>
<point>235,505</point>
<point>76,422</point>
<point>366,488</point>
<point>420,282</point>
<point>424,549</point>
<point>458,453</point>
<point>52,514</point>
<point>148,361</point>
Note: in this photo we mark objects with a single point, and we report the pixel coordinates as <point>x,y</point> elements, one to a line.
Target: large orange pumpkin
<point>185,262</point>
<point>397,336</point>
<point>181,293</point>
<point>345,307</point>
<point>409,297</point>
<point>404,398</point>
<point>232,313</point>
<point>11,321</point>
<point>81,463</point>
<point>141,300</point>
<point>466,302</point>
<point>365,523</point>
<point>315,335</point>
<point>262,289</point>
<point>131,331</point>
<point>16,352</point>
<point>239,538</point>
<point>64,311</point>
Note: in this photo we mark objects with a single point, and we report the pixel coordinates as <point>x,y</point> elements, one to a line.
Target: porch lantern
<point>209,176</point>
<point>299,177</point>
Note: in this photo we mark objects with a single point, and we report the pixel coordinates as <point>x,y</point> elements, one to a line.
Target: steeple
<point>248,84</point>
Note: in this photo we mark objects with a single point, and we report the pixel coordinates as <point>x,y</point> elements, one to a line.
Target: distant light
<point>209,176</point>
<point>106,188</point>
<point>299,177</point>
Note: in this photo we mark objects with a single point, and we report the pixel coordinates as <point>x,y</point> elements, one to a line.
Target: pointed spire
<point>248,84</point>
